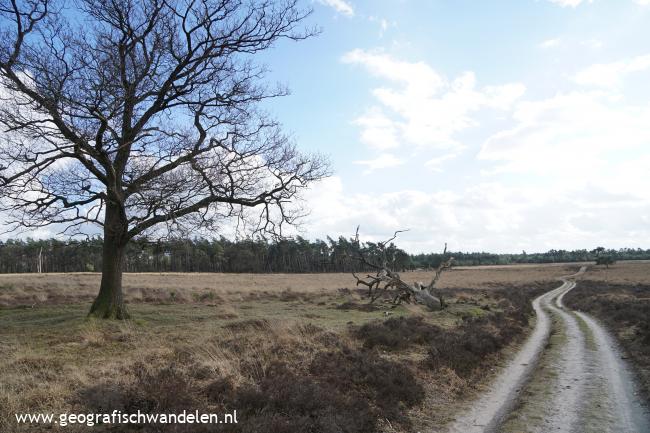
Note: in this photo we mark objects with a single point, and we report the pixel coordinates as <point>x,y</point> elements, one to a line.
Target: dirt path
<point>568,377</point>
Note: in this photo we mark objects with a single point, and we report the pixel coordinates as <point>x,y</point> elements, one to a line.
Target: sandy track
<point>568,377</point>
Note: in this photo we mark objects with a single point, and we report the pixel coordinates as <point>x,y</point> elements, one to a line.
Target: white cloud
<point>415,76</point>
<point>340,6</point>
<point>642,2</point>
<point>435,164</point>
<point>383,23</point>
<point>377,130</point>
<point>422,108</point>
<point>611,74</point>
<point>568,170</point>
<point>550,43</point>
<point>570,3</point>
<point>488,216</point>
<point>576,139</point>
<point>594,44</point>
<point>385,160</point>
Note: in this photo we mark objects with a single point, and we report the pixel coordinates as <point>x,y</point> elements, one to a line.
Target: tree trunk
<point>422,296</point>
<point>426,298</point>
<point>109,303</point>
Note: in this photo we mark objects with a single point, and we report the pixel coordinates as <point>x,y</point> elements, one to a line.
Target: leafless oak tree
<point>144,116</point>
<point>385,274</point>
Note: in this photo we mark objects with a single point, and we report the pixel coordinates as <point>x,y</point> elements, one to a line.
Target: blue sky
<point>501,126</point>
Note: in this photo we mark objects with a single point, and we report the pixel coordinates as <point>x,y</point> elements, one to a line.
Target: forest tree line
<point>296,255</point>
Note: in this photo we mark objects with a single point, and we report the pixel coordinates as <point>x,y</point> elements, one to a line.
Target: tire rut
<point>568,377</point>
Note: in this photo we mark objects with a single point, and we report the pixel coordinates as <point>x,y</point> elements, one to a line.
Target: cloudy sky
<point>501,126</point>
<point>494,126</point>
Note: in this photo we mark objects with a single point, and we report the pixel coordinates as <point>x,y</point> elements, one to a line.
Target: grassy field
<point>289,352</point>
<point>47,289</point>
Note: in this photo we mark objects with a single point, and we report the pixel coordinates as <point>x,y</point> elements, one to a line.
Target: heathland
<point>299,352</point>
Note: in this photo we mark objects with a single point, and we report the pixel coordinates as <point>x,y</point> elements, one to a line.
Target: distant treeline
<point>258,256</point>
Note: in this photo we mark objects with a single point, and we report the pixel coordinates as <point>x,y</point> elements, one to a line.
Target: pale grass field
<point>35,289</point>
<point>631,272</point>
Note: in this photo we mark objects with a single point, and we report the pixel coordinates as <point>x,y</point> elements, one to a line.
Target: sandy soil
<point>568,377</point>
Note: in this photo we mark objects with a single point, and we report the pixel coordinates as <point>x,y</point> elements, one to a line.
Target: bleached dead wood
<point>416,292</point>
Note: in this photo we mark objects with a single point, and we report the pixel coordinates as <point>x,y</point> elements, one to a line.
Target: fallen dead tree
<point>385,278</point>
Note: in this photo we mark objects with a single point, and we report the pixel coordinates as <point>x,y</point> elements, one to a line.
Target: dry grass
<point>212,341</point>
<point>38,289</point>
<point>632,272</point>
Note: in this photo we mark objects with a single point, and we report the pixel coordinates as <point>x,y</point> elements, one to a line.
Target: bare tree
<point>385,274</point>
<point>143,116</point>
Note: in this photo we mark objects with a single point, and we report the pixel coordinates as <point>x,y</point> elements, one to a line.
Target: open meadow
<point>301,352</point>
<point>60,288</point>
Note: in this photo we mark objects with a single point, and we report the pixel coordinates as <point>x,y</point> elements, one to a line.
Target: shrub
<point>340,390</point>
<point>389,384</point>
<point>462,349</point>
<point>286,402</point>
<point>397,333</point>
<point>166,390</point>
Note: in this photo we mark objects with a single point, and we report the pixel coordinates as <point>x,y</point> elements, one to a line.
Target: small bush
<point>209,296</point>
<point>397,333</point>
<point>166,390</point>
<point>342,391</point>
<point>390,385</point>
<point>286,402</point>
<point>334,389</point>
<point>465,348</point>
